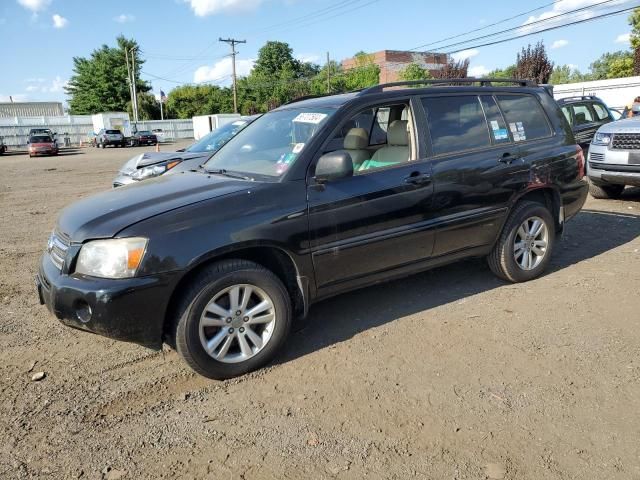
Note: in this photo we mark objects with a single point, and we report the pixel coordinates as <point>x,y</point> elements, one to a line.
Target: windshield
<point>271,144</point>
<point>41,139</point>
<point>214,140</point>
<point>144,132</point>
<point>113,132</point>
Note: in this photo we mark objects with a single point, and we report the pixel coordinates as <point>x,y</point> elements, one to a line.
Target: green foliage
<point>190,100</point>
<point>365,73</point>
<point>148,107</point>
<point>612,65</point>
<point>634,21</point>
<point>533,64</point>
<point>566,74</point>
<point>509,72</point>
<point>413,71</point>
<point>99,83</point>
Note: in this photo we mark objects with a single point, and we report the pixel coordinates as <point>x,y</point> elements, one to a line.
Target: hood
<point>105,214</point>
<point>151,158</point>
<point>627,125</point>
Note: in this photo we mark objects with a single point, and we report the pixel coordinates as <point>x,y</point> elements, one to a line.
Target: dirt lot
<point>450,374</point>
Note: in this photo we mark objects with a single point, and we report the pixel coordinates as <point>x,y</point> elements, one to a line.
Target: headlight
<point>154,170</point>
<point>113,258</point>
<point>602,139</point>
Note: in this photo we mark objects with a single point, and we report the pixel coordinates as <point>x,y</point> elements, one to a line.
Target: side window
<point>380,125</point>
<point>567,114</point>
<point>601,112</point>
<point>456,124</point>
<point>497,125</point>
<point>525,117</point>
<point>582,114</point>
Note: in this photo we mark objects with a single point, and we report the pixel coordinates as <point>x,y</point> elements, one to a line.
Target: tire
<point>101,145</point>
<point>503,260</point>
<point>605,191</point>
<point>225,276</point>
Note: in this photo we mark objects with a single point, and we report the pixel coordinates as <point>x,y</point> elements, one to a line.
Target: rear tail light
<point>580,161</point>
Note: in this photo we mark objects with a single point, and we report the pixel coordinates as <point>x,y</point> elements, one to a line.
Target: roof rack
<point>580,97</point>
<point>484,82</point>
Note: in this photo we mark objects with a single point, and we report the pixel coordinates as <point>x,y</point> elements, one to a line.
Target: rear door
<point>585,123</point>
<point>477,168</point>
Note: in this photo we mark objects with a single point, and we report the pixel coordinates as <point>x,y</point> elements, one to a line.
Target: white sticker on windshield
<point>310,117</point>
<point>494,125</point>
<point>297,148</point>
<point>513,127</point>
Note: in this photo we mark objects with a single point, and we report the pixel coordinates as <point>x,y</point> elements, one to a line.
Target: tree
<point>365,73</point>
<point>566,74</point>
<point>190,100</point>
<point>634,21</point>
<point>414,71</point>
<point>509,72</point>
<point>612,65</point>
<point>453,69</point>
<point>148,107</point>
<point>533,64</point>
<point>99,83</point>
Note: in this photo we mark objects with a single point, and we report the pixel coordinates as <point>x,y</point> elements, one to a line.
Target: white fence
<point>76,128</point>
<point>616,92</point>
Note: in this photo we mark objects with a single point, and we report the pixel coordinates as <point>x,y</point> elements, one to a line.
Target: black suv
<point>585,114</point>
<point>315,198</point>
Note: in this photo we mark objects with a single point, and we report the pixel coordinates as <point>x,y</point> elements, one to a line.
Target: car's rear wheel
<point>524,248</point>
<point>605,191</point>
<point>232,319</point>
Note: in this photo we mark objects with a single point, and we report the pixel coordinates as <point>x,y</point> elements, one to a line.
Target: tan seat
<point>356,142</point>
<point>396,151</point>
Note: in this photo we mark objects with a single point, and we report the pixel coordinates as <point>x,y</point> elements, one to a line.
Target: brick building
<point>392,61</point>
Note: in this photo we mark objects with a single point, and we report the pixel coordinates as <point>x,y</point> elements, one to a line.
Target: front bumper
<point>606,165</point>
<point>132,310</point>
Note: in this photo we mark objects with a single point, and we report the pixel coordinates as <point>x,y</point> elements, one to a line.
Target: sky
<point>179,38</point>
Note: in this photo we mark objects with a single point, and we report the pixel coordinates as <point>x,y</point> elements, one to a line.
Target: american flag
<point>163,97</point>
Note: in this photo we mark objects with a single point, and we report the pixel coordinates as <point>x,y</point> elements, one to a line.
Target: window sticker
<point>297,148</point>
<point>501,134</point>
<point>513,127</point>
<point>494,125</point>
<point>309,117</point>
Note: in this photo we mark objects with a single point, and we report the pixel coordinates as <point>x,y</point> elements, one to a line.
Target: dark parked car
<point>3,147</point>
<point>585,115</point>
<point>42,144</point>
<point>315,198</point>
<point>153,164</point>
<point>110,137</point>
<point>143,137</point>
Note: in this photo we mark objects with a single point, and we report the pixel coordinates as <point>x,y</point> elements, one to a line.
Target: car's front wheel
<point>233,318</point>
<point>605,191</point>
<point>524,248</point>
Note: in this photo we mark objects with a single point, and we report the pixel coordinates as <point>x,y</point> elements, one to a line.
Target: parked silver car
<point>614,158</point>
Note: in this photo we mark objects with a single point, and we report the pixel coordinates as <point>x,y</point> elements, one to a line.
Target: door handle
<point>508,157</point>
<point>418,178</point>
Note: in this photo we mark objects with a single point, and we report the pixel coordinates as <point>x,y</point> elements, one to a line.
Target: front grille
<point>626,141</point>
<point>597,157</point>
<point>57,248</point>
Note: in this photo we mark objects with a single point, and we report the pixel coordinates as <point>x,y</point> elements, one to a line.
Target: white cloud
<point>559,44</point>
<point>124,18</point>
<point>59,21</point>
<point>40,85</point>
<point>624,38</point>
<point>465,54</point>
<point>18,97</point>
<point>564,6</point>
<point>478,71</point>
<point>309,57</point>
<point>221,71</point>
<point>35,5</point>
<point>202,8</point>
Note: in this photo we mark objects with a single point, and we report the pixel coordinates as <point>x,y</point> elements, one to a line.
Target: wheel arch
<point>548,196</point>
<point>275,259</point>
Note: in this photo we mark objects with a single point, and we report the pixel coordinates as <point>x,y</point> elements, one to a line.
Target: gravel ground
<point>450,374</point>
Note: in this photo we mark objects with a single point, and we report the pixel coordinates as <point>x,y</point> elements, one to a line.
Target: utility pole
<point>233,42</point>
<point>328,74</point>
<point>135,91</point>
<point>126,56</point>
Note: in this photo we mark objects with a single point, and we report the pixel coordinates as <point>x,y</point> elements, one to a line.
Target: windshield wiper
<point>227,173</point>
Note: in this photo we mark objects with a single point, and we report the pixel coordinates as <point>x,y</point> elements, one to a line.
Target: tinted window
<point>456,124</point>
<point>567,114</point>
<point>601,111</point>
<point>379,130</point>
<point>582,114</point>
<point>524,116</point>
<point>497,125</point>
<point>113,132</point>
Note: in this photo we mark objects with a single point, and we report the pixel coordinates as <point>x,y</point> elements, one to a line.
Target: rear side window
<point>497,126</point>
<point>601,111</point>
<point>567,114</point>
<point>524,116</point>
<point>380,124</point>
<point>456,124</point>
<point>582,114</point>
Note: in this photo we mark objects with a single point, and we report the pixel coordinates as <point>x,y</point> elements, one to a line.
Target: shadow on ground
<point>589,234</point>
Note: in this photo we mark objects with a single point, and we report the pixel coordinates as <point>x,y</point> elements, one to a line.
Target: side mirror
<point>333,166</point>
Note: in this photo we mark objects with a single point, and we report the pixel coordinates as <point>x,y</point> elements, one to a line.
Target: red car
<point>42,145</point>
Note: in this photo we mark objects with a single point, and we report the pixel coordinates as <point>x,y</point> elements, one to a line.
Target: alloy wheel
<point>531,243</point>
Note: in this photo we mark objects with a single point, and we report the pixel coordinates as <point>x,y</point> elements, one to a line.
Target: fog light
<point>83,311</point>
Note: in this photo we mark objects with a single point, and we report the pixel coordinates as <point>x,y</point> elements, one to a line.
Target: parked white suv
<point>614,158</point>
